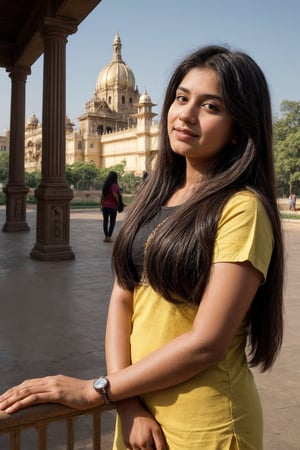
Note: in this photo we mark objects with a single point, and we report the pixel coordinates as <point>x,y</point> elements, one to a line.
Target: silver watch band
<point>100,385</point>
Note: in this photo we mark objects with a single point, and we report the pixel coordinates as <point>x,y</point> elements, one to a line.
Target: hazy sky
<point>155,36</point>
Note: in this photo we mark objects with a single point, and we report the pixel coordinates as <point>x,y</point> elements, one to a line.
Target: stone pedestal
<point>15,208</point>
<point>53,223</point>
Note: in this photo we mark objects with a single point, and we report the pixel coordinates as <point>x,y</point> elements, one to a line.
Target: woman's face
<point>199,126</point>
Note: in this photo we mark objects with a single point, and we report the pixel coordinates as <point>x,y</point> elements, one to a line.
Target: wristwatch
<point>100,385</point>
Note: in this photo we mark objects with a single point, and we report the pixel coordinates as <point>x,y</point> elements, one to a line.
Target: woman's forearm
<point>166,367</point>
<point>118,329</point>
<point>224,304</point>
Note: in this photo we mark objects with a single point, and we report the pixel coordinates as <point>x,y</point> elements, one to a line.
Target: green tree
<point>82,175</point>
<point>4,165</point>
<point>32,179</point>
<point>287,147</point>
<point>130,182</point>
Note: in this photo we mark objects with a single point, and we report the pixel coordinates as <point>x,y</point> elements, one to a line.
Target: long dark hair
<point>180,255</point>
<point>111,178</point>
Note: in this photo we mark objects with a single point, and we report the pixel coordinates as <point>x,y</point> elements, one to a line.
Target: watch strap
<point>102,390</point>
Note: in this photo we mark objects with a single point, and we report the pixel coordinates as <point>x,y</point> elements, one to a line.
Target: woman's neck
<point>183,193</point>
<point>193,177</point>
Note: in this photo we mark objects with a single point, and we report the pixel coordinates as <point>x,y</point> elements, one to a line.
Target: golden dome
<point>117,72</point>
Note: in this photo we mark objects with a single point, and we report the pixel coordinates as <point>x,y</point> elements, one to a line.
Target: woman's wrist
<point>101,386</point>
<point>123,406</point>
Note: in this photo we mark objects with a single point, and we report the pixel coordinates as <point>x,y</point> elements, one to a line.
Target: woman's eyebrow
<point>204,96</point>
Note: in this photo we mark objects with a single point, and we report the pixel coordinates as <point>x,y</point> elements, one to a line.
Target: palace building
<point>117,124</point>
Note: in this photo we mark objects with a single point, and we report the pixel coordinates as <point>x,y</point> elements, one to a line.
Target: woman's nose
<point>188,115</point>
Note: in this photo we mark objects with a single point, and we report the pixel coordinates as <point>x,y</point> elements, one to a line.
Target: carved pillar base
<point>15,208</point>
<point>53,223</point>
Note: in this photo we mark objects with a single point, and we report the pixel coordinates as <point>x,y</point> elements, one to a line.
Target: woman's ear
<point>236,136</point>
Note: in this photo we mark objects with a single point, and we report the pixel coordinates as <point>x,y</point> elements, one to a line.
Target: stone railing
<point>39,418</point>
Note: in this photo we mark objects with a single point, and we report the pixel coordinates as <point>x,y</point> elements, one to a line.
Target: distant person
<point>109,204</point>
<point>144,178</point>
<point>293,200</point>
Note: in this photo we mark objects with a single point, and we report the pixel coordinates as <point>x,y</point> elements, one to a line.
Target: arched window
<point>130,101</point>
<point>123,99</point>
<point>109,100</point>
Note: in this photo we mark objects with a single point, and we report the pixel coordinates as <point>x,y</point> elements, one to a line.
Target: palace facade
<point>116,125</point>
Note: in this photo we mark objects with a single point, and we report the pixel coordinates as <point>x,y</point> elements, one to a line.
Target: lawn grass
<point>294,216</point>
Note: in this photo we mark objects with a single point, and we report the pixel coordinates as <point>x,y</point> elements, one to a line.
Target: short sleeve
<point>244,233</point>
<point>115,187</point>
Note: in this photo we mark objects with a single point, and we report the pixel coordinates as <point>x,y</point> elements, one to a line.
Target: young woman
<point>199,273</point>
<point>109,204</point>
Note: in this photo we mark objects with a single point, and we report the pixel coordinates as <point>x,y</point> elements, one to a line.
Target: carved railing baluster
<point>40,416</point>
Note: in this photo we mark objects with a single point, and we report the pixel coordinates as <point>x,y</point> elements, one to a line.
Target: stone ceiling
<point>21,21</point>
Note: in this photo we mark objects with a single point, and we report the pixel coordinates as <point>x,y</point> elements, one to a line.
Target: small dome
<point>68,121</point>
<point>33,120</point>
<point>145,98</point>
<point>117,72</point>
<point>69,124</point>
<point>32,123</point>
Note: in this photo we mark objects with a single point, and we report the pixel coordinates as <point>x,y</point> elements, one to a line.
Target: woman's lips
<point>184,133</point>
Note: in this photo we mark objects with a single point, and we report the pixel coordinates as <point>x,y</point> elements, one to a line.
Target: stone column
<point>15,189</point>
<point>54,194</point>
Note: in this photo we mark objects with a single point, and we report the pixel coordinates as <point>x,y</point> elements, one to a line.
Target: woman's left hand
<point>68,391</point>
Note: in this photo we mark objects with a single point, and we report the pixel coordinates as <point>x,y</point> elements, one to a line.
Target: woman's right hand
<point>68,391</point>
<point>139,428</point>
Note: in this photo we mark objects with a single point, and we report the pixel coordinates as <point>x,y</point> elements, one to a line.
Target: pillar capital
<point>18,70</point>
<point>59,27</point>
<point>18,73</point>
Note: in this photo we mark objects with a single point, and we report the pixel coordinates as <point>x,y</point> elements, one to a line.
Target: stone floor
<point>53,320</point>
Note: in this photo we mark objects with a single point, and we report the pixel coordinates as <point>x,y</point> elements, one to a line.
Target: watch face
<point>100,383</point>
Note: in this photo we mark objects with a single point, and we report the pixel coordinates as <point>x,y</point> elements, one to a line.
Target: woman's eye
<point>181,98</point>
<point>210,107</point>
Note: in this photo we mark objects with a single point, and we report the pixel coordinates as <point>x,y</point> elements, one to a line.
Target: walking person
<point>293,201</point>
<point>198,265</point>
<point>109,204</point>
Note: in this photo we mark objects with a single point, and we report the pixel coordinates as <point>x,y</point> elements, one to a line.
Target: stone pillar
<point>15,189</point>
<point>54,194</point>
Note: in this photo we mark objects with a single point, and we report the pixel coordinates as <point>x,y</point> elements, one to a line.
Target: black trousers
<point>109,220</point>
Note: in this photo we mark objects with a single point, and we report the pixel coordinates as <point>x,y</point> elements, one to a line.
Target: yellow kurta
<point>219,409</point>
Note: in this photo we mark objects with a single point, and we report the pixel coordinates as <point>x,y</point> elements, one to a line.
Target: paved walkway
<point>53,320</point>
